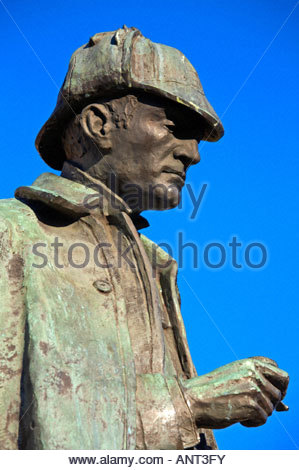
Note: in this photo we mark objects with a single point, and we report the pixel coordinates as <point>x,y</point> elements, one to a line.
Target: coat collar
<point>76,198</point>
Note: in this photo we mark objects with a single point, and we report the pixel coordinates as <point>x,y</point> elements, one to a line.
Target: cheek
<point>140,153</point>
<point>156,144</point>
<point>148,133</point>
<point>148,155</point>
<point>133,168</point>
<point>156,133</point>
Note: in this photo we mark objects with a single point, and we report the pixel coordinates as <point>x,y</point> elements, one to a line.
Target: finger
<point>278,377</point>
<point>252,424</point>
<point>259,417</point>
<point>266,404</point>
<point>265,359</point>
<point>267,390</point>
<point>272,392</point>
<point>279,381</point>
<point>282,407</point>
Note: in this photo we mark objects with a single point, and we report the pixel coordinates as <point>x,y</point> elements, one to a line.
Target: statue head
<point>130,114</point>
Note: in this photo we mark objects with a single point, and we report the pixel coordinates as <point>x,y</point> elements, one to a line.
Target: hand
<point>245,391</point>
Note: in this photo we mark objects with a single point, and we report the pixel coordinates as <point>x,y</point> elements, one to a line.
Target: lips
<point>181,174</point>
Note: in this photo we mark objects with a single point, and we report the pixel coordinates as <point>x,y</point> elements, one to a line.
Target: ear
<point>96,122</point>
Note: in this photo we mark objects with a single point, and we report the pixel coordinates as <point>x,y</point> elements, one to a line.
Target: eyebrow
<point>159,115</point>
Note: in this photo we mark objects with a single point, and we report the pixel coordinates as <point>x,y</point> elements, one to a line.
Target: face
<point>151,155</point>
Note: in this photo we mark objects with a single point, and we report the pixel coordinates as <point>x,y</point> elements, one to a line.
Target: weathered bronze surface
<point>93,351</point>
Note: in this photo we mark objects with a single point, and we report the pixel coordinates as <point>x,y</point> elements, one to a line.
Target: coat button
<point>102,286</point>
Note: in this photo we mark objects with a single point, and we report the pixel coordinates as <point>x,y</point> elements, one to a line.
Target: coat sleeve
<point>164,418</point>
<point>12,321</point>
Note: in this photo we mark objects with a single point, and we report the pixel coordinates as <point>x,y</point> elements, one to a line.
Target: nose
<point>188,153</point>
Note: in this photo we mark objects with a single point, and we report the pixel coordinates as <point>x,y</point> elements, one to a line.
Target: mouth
<point>180,174</point>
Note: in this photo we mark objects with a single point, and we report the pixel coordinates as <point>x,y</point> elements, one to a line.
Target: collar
<point>76,198</point>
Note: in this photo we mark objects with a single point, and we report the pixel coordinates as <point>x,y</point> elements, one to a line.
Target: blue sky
<point>246,54</point>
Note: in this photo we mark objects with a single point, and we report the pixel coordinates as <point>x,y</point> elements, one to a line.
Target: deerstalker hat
<point>120,62</point>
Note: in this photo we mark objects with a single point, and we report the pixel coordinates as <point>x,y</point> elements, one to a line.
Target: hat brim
<point>49,139</point>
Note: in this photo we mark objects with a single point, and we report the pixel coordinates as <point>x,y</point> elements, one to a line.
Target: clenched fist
<point>245,391</point>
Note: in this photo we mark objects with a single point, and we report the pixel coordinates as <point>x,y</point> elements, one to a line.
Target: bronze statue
<point>93,350</point>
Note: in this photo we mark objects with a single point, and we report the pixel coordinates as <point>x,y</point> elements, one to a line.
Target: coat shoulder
<point>13,211</point>
<point>17,220</point>
<point>18,225</point>
<point>155,252</point>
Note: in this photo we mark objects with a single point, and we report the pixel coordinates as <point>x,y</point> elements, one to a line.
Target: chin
<point>166,203</point>
<point>162,197</point>
<point>173,197</point>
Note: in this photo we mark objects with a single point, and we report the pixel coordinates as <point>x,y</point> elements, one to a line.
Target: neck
<point>74,173</point>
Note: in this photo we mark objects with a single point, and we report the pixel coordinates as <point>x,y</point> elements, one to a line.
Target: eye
<point>170,125</point>
<point>171,128</point>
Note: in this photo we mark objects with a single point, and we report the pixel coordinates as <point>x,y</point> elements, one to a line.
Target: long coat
<point>67,375</point>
